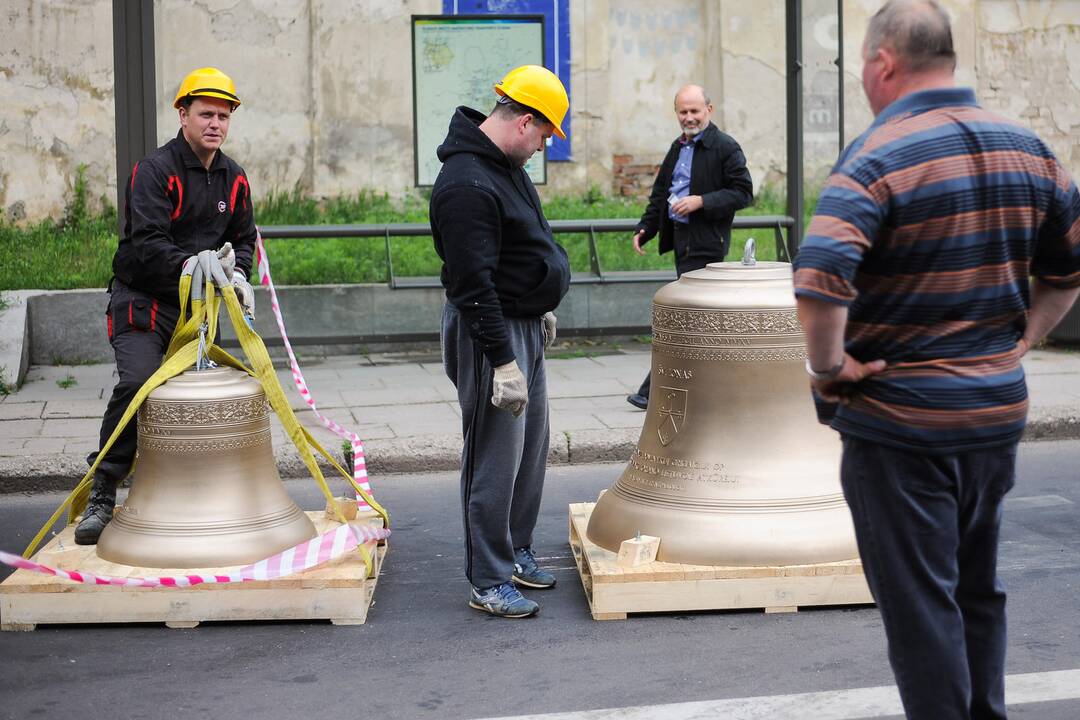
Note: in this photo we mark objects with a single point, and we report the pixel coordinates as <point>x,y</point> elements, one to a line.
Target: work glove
<point>244,292</point>
<point>549,328</point>
<point>212,269</point>
<point>228,259</point>
<point>508,389</point>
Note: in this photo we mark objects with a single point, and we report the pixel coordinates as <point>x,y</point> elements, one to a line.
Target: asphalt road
<point>425,654</point>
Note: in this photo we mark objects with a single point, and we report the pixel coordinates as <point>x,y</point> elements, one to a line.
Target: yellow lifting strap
<point>183,353</point>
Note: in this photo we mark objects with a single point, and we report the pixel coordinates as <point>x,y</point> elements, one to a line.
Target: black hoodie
<point>499,257</point>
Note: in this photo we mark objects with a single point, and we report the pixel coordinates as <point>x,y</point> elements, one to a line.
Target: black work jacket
<point>719,175</point>
<point>175,209</point>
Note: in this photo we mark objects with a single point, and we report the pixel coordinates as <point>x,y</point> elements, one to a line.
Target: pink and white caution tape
<point>359,469</point>
<point>324,548</point>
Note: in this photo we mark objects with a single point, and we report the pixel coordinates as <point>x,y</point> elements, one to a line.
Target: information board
<point>556,47</point>
<point>456,61</point>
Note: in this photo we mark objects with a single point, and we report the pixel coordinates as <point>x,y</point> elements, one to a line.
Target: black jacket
<point>718,174</point>
<point>176,209</point>
<point>499,256</point>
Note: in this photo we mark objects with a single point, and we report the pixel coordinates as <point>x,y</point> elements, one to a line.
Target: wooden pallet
<point>615,591</point>
<point>339,591</point>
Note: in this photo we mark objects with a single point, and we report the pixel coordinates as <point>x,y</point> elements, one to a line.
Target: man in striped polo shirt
<point>914,288</point>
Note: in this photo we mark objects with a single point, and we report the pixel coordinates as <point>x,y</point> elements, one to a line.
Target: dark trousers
<point>504,458</point>
<point>687,258</point>
<point>139,329</point>
<point>927,528</point>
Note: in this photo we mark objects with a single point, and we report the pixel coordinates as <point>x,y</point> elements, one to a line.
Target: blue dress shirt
<point>680,176</point>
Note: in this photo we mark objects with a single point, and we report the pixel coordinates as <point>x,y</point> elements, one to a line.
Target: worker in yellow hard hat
<point>185,197</point>
<point>504,276</point>
<point>537,88</point>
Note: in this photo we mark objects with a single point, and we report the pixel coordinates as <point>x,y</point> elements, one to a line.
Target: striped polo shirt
<point>928,229</point>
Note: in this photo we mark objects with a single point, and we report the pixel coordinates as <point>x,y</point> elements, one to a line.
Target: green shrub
<point>76,252</point>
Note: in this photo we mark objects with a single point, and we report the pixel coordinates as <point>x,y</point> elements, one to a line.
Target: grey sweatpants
<point>504,458</point>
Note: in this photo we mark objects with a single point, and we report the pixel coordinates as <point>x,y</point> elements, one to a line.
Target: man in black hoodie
<point>504,275</point>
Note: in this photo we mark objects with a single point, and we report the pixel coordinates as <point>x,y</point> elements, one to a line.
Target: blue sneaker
<point>503,601</point>
<point>528,573</point>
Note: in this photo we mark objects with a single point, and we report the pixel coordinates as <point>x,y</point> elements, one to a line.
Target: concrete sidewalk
<point>405,410</point>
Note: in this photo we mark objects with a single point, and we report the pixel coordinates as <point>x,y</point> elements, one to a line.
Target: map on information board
<point>456,61</point>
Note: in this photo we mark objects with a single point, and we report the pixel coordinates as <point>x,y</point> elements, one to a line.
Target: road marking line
<point>1036,501</point>
<point>829,705</point>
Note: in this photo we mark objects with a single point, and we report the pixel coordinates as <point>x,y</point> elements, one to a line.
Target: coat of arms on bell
<point>671,414</point>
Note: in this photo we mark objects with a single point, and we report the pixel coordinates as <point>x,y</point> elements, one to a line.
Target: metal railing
<point>776,223</point>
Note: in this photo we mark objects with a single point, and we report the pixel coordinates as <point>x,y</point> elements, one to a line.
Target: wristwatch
<point>825,374</point>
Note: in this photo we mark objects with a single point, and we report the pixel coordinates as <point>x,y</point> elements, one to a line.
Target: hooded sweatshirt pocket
<point>554,281</point>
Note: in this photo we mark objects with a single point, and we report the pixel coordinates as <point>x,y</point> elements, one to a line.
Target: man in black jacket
<point>701,183</point>
<point>185,197</point>
<point>504,275</point>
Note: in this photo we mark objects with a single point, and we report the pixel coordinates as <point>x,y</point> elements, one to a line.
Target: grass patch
<point>67,382</point>
<point>570,354</point>
<point>76,251</point>
<point>61,361</point>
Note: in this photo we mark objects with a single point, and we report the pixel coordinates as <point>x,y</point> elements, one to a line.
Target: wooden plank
<point>174,606</point>
<point>339,591</point>
<point>582,562</point>
<point>614,591</point>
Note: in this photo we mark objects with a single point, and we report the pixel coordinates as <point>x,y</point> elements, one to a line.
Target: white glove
<point>228,259</point>
<point>508,389</point>
<point>549,328</point>
<point>246,293</point>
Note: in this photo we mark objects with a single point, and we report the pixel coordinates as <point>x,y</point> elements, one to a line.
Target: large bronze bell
<point>207,491</point>
<point>732,467</point>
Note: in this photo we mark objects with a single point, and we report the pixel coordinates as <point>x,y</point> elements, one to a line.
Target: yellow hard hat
<point>540,89</point>
<point>207,82</point>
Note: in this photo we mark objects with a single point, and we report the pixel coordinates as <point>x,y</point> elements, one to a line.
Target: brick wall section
<point>630,179</point>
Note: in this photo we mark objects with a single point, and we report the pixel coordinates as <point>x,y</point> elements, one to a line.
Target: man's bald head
<point>692,93</point>
<point>917,31</point>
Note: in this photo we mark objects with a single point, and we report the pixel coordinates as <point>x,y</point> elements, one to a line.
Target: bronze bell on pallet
<point>207,491</point>
<point>732,467</point>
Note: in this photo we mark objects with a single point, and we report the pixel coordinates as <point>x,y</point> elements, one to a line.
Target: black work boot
<point>99,510</point>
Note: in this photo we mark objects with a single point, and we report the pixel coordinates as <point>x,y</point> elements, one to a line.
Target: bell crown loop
<point>202,357</point>
<point>748,256</point>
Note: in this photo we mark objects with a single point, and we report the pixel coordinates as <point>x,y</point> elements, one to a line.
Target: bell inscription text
<point>665,473</point>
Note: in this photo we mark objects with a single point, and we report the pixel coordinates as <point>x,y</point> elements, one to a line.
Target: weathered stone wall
<point>328,97</point>
<point>56,104</point>
<point>1029,68</point>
